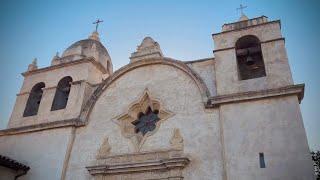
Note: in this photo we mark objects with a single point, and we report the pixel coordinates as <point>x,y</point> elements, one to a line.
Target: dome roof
<point>80,47</point>
<point>90,47</point>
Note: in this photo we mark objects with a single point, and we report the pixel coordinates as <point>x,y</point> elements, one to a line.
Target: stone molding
<point>297,90</point>
<point>263,42</point>
<point>205,94</point>
<point>157,55</point>
<point>199,60</point>
<point>42,126</point>
<point>73,83</point>
<point>270,22</point>
<point>44,89</point>
<point>50,68</point>
<point>143,165</point>
<point>244,22</point>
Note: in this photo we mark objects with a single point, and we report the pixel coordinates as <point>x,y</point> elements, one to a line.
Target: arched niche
<point>249,58</point>
<point>62,94</point>
<point>34,100</point>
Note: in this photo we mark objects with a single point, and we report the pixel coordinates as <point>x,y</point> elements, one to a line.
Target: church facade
<point>234,116</point>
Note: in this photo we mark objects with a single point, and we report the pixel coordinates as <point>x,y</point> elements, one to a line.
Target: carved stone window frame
<point>134,109</point>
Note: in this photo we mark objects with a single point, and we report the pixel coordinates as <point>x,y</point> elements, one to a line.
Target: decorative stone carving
<point>176,140</point>
<point>166,164</point>
<point>55,59</point>
<point>148,49</point>
<point>142,105</point>
<point>33,65</point>
<point>104,150</point>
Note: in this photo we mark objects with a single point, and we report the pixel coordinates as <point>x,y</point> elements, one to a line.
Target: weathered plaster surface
<point>205,69</point>
<point>180,95</point>
<point>42,151</point>
<point>272,126</point>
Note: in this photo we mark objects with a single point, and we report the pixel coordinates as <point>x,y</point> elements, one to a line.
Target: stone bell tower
<point>250,55</point>
<point>263,135</point>
<point>53,96</point>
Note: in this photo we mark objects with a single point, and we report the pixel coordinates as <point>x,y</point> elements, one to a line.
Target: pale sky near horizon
<point>183,28</point>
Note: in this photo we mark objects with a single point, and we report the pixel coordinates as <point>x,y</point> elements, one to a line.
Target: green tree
<point>316,163</point>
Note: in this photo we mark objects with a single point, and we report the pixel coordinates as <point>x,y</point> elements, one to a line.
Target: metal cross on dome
<point>241,8</point>
<point>97,23</point>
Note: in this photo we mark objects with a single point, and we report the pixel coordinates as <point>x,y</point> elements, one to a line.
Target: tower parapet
<point>244,22</point>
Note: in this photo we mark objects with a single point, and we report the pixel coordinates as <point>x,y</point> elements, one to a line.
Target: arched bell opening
<point>34,100</point>
<point>62,94</point>
<point>249,58</point>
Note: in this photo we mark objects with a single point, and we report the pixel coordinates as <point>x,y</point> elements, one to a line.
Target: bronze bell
<point>249,61</point>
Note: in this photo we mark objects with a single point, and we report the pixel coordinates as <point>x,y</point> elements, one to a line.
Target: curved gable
<point>122,71</point>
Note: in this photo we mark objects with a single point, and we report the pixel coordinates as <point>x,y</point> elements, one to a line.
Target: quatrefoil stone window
<point>146,121</point>
<point>142,119</point>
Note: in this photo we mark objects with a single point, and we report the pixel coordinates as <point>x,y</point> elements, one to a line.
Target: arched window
<point>249,58</point>
<point>62,94</point>
<point>34,100</point>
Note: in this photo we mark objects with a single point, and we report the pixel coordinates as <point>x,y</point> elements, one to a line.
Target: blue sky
<point>183,29</point>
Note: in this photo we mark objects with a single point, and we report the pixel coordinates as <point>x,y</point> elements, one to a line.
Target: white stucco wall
<point>42,151</point>
<point>273,127</point>
<point>205,69</point>
<point>177,93</point>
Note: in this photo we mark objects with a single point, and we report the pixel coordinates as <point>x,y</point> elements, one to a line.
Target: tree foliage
<point>316,163</point>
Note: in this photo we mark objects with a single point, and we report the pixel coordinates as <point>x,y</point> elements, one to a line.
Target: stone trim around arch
<point>205,94</point>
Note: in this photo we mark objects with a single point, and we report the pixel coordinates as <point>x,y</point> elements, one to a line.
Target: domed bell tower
<point>53,96</point>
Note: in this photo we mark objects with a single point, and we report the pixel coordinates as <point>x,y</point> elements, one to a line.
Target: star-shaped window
<point>146,121</point>
<point>142,119</point>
